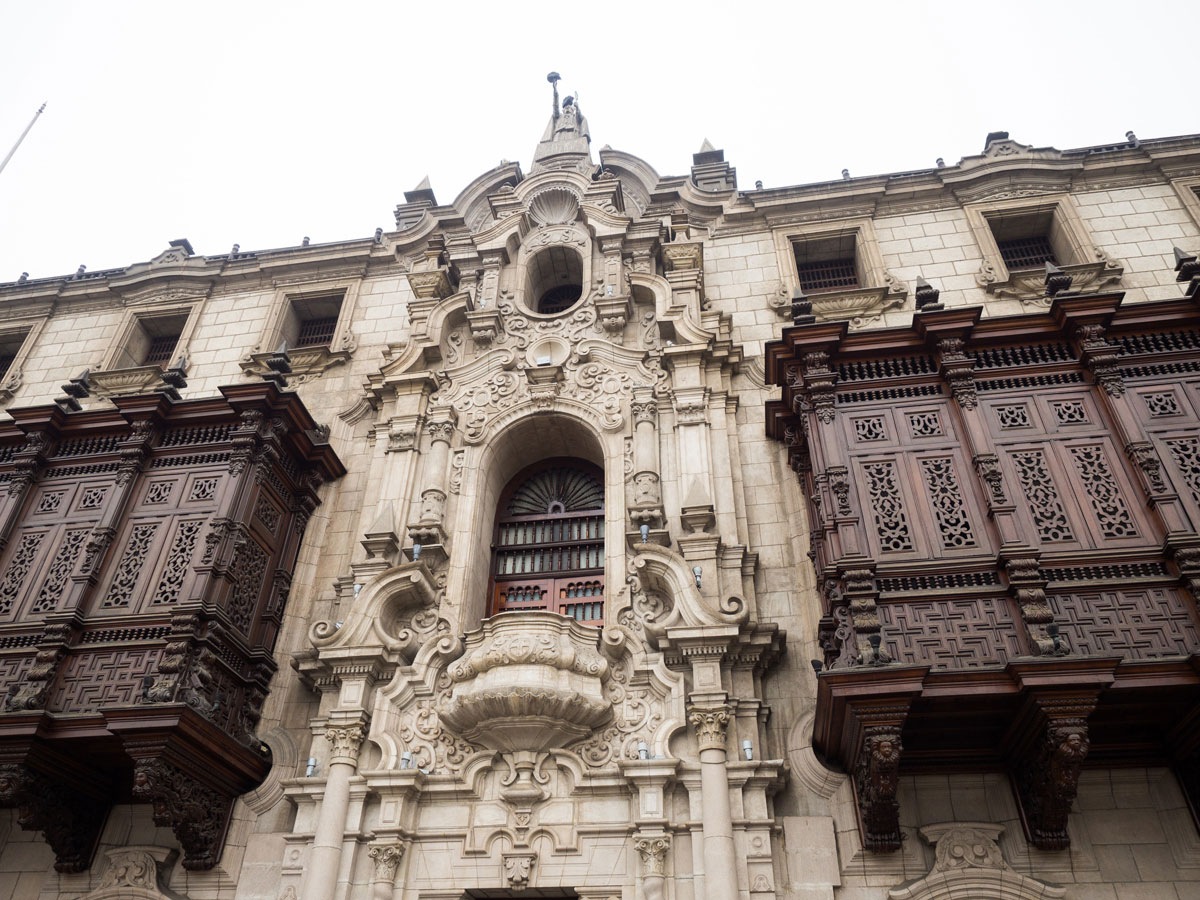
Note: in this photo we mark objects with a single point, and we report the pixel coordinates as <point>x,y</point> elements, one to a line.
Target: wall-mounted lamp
<point>311,768</point>
<point>406,760</point>
<point>643,750</point>
<point>645,530</point>
<point>817,666</point>
<point>416,552</point>
<point>697,571</point>
<point>748,749</point>
<point>357,588</point>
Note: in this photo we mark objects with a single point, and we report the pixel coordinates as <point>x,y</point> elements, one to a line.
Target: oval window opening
<point>555,280</point>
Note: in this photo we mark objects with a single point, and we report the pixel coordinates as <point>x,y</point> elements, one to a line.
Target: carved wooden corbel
<point>70,820</point>
<point>1046,767</point>
<point>196,812</point>
<point>876,777</point>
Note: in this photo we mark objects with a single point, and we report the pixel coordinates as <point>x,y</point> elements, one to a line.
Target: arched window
<point>548,549</point>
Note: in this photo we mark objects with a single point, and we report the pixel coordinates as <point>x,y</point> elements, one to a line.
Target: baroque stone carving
<point>528,682</point>
<point>518,868</point>
<point>653,851</point>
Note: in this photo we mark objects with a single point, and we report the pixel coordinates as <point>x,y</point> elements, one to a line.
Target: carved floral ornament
<point>653,851</point>
<point>968,862</point>
<point>711,723</point>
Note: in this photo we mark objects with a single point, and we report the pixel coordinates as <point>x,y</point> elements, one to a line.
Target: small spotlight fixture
<point>311,768</point>
<point>698,572</point>
<point>748,749</point>
<point>645,530</point>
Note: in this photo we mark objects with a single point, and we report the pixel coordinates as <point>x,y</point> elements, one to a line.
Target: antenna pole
<point>22,137</point>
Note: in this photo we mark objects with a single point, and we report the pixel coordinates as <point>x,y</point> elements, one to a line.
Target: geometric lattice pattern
<point>105,678</point>
<point>1141,623</point>
<point>950,634</point>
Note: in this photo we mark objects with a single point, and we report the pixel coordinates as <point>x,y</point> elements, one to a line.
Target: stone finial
<point>707,147</point>
<point>845,174</point>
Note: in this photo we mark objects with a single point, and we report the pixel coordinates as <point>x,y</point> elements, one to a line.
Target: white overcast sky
<point>260,123</point>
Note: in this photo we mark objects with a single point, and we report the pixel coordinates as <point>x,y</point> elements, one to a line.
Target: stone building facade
<point>560,573</point>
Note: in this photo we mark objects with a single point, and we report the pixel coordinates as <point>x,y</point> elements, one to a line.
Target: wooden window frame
<point>553,588</point>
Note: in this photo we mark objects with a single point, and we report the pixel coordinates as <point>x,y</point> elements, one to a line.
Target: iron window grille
<point>828,275</point>
<point>160,350</point>
<point>316,332</point>
<point>1027,253</point>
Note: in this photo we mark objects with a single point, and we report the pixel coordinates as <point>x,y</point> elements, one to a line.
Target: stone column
<point>386,858</point>
<point>321,880</point>
<point>428,530</point>
<point>653,850</point>
<point>720,860</point>
<point>646,507</point>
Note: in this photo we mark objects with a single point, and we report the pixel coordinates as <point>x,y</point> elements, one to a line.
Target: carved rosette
<point>711,724</point>
<point>344,743</point>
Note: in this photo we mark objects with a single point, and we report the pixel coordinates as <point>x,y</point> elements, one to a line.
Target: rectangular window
<point>1027,253</point>
<point>1029,240</point>
<point>316,332</point>
<point>10,346</point>
<point>827,264</point>
<point>311,321</point>
<point>151,342</point>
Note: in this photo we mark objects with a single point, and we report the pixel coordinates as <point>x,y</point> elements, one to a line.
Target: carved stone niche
<point>528,681</point>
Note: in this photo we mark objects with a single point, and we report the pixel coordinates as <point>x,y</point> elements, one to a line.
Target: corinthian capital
<point>646,411</point>
<point>344,743</point>
<point>387,860</point>
<point>653,850</point>
<point>710,723</point>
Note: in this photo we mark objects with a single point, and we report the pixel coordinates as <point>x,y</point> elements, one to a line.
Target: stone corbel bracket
<point>307,362</point>
<point>862,307</point>
<point>1029,286</point>
<point>386,616</point>
<point>668,574</point>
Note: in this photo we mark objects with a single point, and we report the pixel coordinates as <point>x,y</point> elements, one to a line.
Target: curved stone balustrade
<point>528,681</point>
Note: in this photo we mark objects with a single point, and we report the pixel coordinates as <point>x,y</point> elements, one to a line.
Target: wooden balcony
<point>146,563</point>
<point>1005,525</point>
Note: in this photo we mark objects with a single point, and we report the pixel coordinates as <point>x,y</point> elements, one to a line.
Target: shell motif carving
<point>554,206</point>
